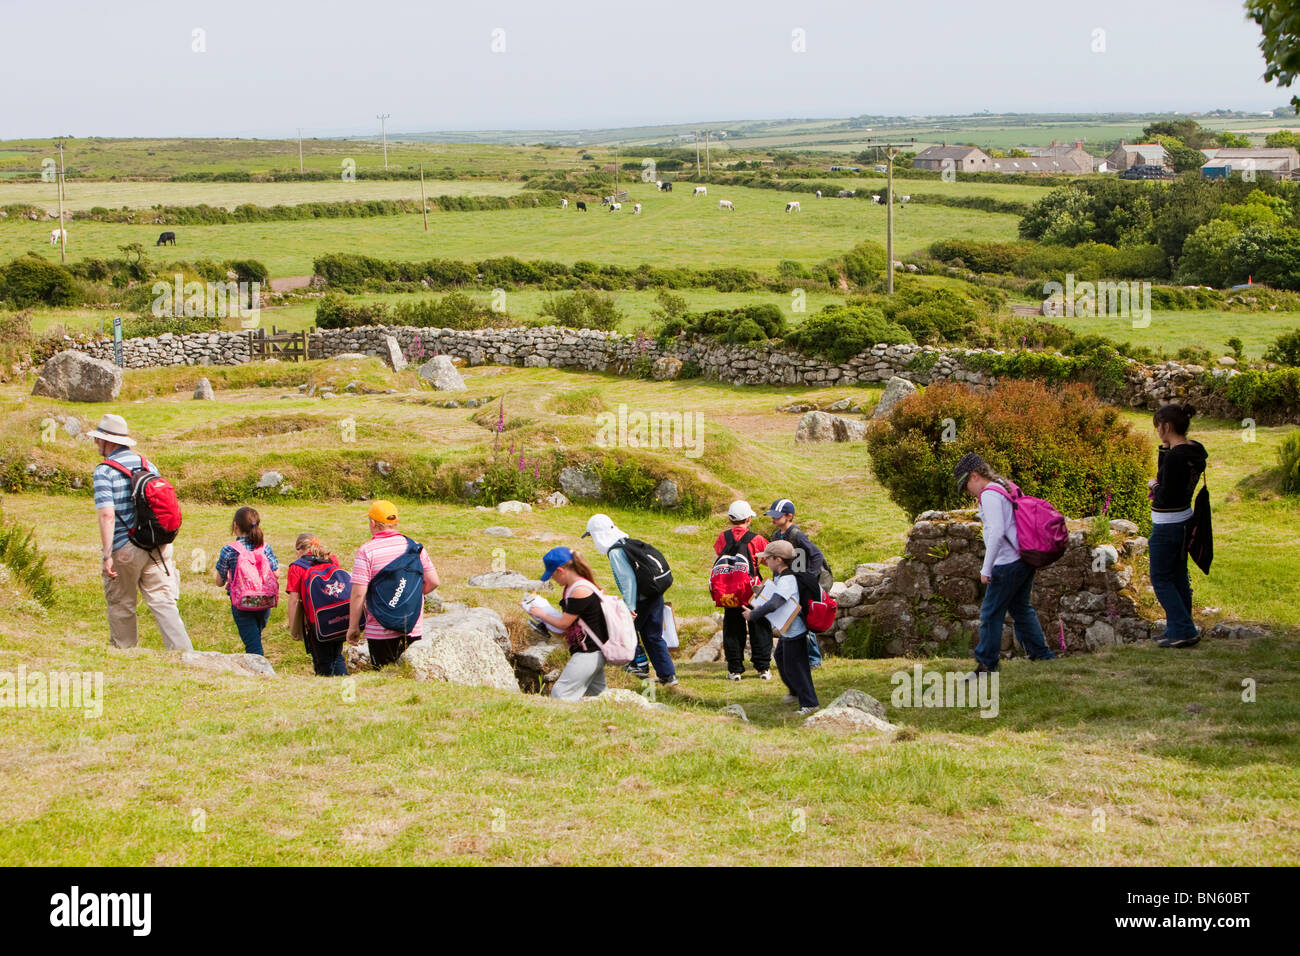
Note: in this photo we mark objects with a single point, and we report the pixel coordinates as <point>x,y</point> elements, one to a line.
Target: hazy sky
<point>95,67</point>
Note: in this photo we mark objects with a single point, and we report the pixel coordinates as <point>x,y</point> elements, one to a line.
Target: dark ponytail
<point>1179,417</point>
<point>248,525</point>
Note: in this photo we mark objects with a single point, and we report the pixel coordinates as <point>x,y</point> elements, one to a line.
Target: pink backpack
<point>253,585</point>
<point>1040,529</point>
<point>621,646</point>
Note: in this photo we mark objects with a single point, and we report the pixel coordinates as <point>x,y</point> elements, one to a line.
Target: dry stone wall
<point>929,598</point>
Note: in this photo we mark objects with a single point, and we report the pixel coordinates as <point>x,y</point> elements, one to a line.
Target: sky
<point>266,67</point>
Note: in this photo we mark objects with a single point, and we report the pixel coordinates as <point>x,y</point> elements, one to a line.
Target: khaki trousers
<point>156,577</point>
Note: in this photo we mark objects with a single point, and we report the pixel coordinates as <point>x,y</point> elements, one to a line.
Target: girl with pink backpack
<point>246,568</point>
<point>1011,556</point>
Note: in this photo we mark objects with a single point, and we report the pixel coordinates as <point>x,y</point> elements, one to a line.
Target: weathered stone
<point>270,479</point>
<point>735,710</point>
<point>849,720</point>
<point>579,483</point>
<point>617,695</point>
<point>823,427</point>
<point>462,653</point>
<point>384,468</point>
<point>710,652</point>
<point>1123,526</point>
<point>393,353</point>
<point>245,665</point>
<point>76,377</point>
<point>896,389</point>
<point>556,499</point>
<point>513,507</point>
<point>862,701</point>
<point>666,368</point>
<point>687,529</point>
<point>533,658</point>
<point>666,495</point>
<point>499,531</point>
<point>1099,635</point>
<point>442,374</point>
<point>203,391</point>
<point>506,580</point>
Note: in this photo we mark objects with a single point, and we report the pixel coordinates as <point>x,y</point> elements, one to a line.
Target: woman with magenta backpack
<point>246,568</point>
<point>1007,577</point>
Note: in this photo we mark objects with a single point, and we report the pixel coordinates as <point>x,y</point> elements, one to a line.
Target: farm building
<point>1144,154</point>
<point>1279,163</point>
<point>963,159</point>
<point>1071,158</point>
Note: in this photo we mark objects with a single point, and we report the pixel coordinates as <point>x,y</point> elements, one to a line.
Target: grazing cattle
<point>876,199</point>
<point>167,238</point>
<point>726,204</point>
<point>615,206</point>
<point>56,235</point>
<point>819,194</point>
<point>607,201</point>
<point>666,187</point>
<point>700,191</point>
<point>636,209</point>
<point>582,206</point>
<point>659,184</point>
<point>792,207</point>
<point>907,199</point>
<point>564,204</point>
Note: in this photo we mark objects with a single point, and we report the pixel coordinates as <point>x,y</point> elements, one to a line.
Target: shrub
<point>865,263</point>
<point>336,312</point>
<point>863,641</point>
<point>1196,354</point>
<point>841,332</point>
<point>1288,459</point>
<point>455,310</point>
<point>21,560</point>
<point>932,315</point>
<point>583,309</point>
<point>30,280</point>
<point>1285,349</point>
<point>1062,444</point>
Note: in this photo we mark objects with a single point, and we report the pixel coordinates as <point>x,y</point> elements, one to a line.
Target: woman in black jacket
<point>1180,466</point>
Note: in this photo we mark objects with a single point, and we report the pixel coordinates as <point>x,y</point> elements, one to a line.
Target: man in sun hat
<point>385,546</point>
<point>806,553</point>
<point>126,569</point>
<point>739,540</point>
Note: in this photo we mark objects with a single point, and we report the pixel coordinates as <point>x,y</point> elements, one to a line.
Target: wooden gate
<point>286,346</point>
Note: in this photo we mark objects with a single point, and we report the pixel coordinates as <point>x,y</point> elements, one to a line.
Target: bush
<point>455,310</point>
<point>932,315</point>
<point>1062,444</point>
<point>30,280</point>
<point>1285,349</point>
<point>840,332</point>
<point>583,309</point>
<point>750,324</point>
<point>21,560</point>
<point>1288,459</point>
<point>865,263</point>
<point>335,312</point>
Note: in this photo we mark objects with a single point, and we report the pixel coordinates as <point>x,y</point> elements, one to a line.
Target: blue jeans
<point>250,625</point>
<point>814,652</point>
<point>650,628</point>
<point>1008,591</point>
<point>1167,551</point>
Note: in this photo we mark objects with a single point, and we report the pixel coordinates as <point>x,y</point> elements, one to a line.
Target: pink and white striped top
<point>372,557</point>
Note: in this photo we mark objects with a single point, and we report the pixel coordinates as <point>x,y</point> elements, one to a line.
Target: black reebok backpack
<point>653,576</point>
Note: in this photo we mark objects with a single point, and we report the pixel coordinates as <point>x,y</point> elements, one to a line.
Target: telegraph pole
<point>63,233</point>
<point>708,166</point>
<point>891,150</point>
<point>423,207</point>
<point>697,153</point>
<point>383,133</point>
<point>299,149</point>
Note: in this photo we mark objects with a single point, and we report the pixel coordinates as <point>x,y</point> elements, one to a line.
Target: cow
<point>582,206</point>
<point>726,204</point>
<point>666,187</point>
<point>564,204</point>
<point>907,199</point>
<point>792,207</point>
<point>700,191</point>
<point>636,209</point>
<point>615,206</point>
<point>659,184</point>
<point>167,238</point>
<point>56,235</point>
<point>819,194</point>
<point>875,198</point>
<point>607,201</point>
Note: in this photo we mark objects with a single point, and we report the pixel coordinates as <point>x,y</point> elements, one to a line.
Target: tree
<point>1230,140</point>
<point>1279,21</point>
<point>1205,255</point>
<point>1187,131</point>
<point>1182,157</point>
<point>1281,139</point>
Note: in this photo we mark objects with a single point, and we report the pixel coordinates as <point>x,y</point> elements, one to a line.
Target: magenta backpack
<point>1040,528</point>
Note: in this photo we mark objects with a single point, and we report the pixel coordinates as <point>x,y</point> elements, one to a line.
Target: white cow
<point>615,206</point>
<point>876,199</point>
<point>726,204</point>
<point>636,209</point>
<point>792,207</point>
<point>56,235</point>
<point>907,199</point>
<point>700,191</point>
<point>564,204</point>
<point>819,194</point>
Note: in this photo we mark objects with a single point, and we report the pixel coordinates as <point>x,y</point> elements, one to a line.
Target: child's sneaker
<point>732,676</point>
<point>764,675</point>
<point>804,711</point>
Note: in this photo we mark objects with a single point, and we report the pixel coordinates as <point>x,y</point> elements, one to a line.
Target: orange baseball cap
<point>385,512</point>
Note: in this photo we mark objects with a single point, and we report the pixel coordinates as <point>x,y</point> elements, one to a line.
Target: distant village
<point>1130,161</point>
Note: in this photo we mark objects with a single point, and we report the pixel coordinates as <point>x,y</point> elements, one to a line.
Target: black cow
<point>167,238</point>
<point>582,206</point>
<point>666,188</point>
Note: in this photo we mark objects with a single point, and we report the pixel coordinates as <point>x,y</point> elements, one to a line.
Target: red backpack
<point>157,511</point>
<point>731,581</point>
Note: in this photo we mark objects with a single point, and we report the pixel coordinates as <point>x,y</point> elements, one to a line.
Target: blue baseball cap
<point>553,559</point>
<point>782,506</point>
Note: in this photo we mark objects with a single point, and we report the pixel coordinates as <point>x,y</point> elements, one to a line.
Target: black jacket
<point>1177,471</point>
<point>812,554</point>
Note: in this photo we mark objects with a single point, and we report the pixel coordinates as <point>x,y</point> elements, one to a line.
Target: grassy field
<point>290,771</point>
<point>1174,330</point>
<point>674,229</point>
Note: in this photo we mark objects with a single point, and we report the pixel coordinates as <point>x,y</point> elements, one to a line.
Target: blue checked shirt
<point>228,557</point>
<point>112,488</point>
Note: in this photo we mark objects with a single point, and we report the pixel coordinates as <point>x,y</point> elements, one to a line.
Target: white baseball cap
<point>740,510</point>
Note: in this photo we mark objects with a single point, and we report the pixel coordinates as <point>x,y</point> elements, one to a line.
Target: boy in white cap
<point>740,540</point>
<point>126,569</point>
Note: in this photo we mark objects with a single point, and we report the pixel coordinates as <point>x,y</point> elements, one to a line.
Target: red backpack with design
<point>157,510</point>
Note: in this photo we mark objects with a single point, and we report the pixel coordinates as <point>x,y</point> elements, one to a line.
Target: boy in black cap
<point>784,529</point>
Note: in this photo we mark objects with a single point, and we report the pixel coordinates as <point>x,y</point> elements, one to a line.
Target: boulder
<point>356,657</point>
<point>499,531</point>
<point>666,368</point>
<point>579,483</point>
<point>862,701</point>
<point>710,652</point>
<point>735,710</point>
<point>822,426</point>
<point>896,389</point>
<point>463,654</point>
<point>442,374</point>
<point>384,468</point>
<point>203,391</point>
<point>665,494</point>
<point>556,499</point>
<point>508,580</point>
<point>270,479</point>
<point>849,720</point>
<point>76,377</point>
<point>533,658</point>
<point>482,620</point>
<point>245,665</point>
<point>393,353</point>
<point>513,507</point>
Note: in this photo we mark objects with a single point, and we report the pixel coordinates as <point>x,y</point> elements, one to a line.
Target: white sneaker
<point>789,699</point>
<point>764,675</point>
<point>731,676</point>
<point>805,711</point>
